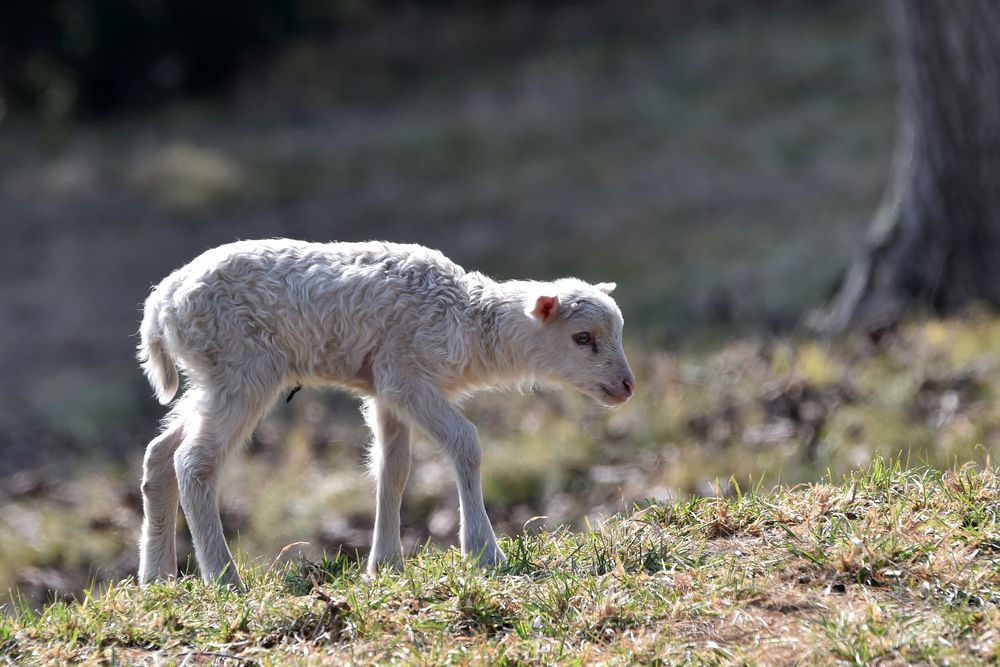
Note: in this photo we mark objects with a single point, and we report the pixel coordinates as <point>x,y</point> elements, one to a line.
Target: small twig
<point>317,588</point>
<point>322,622</point>
<point>332,607</point>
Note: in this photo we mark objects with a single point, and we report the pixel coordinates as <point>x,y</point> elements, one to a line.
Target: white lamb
<point>400,324</point>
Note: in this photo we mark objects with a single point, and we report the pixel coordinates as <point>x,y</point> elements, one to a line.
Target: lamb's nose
<point>629,386</point>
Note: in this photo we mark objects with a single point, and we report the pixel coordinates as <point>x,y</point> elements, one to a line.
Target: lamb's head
<point>577,339</point>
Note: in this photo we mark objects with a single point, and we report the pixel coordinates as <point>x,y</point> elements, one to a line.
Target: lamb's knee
<point>153,486</point>
<point>158,463</point>
<point>195,471</point>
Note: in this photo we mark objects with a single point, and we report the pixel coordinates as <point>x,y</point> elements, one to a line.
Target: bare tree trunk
<point>935,241</point>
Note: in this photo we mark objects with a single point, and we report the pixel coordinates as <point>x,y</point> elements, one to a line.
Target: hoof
<point>387,563</point>
<point>228,578</point>
<point>489,557</point>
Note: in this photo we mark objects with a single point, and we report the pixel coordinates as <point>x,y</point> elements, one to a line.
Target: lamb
<point>401,325</point>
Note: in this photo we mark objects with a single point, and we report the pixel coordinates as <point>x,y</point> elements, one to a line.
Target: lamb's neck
<point>505,353</point>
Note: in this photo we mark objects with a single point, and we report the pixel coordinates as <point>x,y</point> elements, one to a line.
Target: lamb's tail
<point>156,361</point>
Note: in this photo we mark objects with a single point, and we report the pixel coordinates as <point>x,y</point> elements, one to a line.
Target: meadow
<point>891,566</point>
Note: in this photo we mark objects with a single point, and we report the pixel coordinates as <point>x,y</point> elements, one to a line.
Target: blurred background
<point>719,160</point>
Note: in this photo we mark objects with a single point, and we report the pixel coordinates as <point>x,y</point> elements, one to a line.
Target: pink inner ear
<point>545,307</point>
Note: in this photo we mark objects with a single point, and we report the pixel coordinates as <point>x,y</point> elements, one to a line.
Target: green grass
<point>890,565</point>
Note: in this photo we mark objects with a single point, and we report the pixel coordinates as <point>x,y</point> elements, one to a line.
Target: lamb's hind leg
<point>209,436</point>
<point>390,463</point>
<point>157,546</point>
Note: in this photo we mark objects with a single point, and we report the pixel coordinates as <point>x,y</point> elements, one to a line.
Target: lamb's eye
<point>582,338</point>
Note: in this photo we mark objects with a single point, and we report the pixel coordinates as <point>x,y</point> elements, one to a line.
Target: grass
<point>892,565</point>
<point>705,422</point>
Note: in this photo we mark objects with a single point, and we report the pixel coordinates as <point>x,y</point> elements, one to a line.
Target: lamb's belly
<point>353,371</point>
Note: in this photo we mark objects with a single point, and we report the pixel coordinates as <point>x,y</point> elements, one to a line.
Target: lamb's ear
<point>545,308</point>
<point>607,288</point>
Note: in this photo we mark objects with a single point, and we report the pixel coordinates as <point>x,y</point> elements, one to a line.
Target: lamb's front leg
<point>476,533</point>
<point>390,461</point>
<point>429,409</point>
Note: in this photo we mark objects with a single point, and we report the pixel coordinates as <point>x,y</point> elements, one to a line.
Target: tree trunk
<point>935,241</point>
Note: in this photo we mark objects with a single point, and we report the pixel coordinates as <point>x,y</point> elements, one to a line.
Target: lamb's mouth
<point>611,397</point>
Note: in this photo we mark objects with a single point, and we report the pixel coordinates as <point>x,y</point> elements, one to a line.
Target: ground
<point>892,566</point>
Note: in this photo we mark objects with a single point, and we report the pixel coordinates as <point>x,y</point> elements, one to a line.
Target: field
<point>889,567</point>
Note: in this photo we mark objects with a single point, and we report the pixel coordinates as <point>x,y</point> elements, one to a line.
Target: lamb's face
<point>580,340</point>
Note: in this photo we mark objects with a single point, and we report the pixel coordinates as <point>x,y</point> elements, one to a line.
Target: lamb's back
<point>311,300</point>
